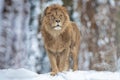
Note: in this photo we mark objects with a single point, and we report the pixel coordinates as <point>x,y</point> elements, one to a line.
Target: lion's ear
<point>64,8</point>
<point>46,11</point>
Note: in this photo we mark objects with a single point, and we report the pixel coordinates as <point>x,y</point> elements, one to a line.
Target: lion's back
<point>75,36</point>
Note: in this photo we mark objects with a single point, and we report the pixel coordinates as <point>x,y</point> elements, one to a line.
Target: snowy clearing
<point>24,74</point>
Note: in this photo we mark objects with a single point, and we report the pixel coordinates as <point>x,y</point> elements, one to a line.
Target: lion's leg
<point>67,59</point>
<point>61,62</point>
<point>75,58</point>
<point>58,61</point>
<point>53,62</point>
<point>64,60</point>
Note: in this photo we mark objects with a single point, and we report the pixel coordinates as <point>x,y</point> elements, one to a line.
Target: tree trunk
<point>118,35</point>
<point>13,32</point>
<point>98,36</point>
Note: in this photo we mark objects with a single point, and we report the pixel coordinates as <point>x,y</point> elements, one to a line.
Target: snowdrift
<point>24,74</point>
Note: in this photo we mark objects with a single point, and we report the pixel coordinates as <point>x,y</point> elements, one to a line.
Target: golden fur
<point>61,38</point>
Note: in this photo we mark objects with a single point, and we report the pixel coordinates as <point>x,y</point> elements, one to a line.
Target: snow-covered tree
<point>14,21</point>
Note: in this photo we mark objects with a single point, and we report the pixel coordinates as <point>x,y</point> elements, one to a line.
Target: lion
<point>61,38</point>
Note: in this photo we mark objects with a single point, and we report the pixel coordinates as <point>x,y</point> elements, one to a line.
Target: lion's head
<point>55,18</point>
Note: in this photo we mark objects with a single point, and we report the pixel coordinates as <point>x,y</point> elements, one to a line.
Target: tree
<point>14,18</point>
<point>98,36</point>
<point>117,19</point>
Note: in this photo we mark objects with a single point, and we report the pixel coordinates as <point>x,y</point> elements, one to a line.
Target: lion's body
<point>60,41</point>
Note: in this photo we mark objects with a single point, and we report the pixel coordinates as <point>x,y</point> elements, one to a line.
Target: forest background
<point>21,44</point>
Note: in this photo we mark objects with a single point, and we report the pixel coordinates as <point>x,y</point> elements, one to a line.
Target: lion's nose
<point>57,21</point>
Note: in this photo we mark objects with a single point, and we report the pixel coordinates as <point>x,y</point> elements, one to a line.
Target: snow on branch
<point>23,74</point>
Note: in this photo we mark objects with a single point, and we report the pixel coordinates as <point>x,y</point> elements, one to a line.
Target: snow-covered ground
<point>23,74</point>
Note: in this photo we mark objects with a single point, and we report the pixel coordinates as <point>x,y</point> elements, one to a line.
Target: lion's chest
<point>59,43</point>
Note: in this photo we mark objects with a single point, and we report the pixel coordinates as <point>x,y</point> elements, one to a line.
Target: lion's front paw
<point>75,68</point>
<point>53,73</point>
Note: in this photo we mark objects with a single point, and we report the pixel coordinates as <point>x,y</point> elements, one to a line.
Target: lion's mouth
<point>58,27</point>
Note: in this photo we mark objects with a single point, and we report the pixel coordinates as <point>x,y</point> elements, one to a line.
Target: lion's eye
<point>52,17</point>
<point>60,16</point>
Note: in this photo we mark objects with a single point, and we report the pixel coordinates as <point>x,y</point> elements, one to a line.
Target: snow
<point>24,74</point>
<point>17,74</point>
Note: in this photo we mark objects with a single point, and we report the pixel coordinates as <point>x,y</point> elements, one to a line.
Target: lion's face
<point>56,17</point>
